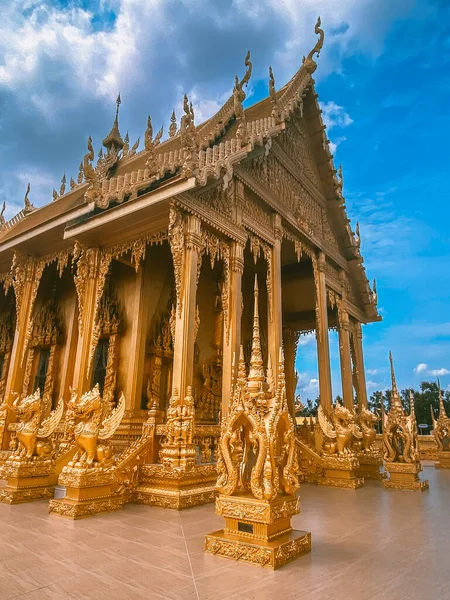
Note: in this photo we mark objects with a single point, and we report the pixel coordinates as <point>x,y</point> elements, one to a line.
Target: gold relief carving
<point>218,249</point>
<point>106,323</point>
<point>137,247</point>
<point>76,511</point>
<point>217,199</point>
<point>295,144</point>
<point>230,549</point>
<point>178,449</point>
<point>176,241</point>
<point>256,211</point>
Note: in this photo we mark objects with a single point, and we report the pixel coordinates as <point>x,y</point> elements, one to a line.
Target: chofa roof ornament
<point>309,61</point>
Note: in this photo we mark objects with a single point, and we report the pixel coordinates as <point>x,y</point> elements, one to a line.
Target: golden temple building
<point>125,302</point>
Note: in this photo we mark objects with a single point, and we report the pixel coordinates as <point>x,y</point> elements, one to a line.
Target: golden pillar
<point>345,351</point>
<point>88,291</point>
<point>24,283</point>
<point>275,329</point>
<point>232,333</point>
<point>290,341</point>
<point>358,358</point>
<point>183,352</point>
<point>323,349</point>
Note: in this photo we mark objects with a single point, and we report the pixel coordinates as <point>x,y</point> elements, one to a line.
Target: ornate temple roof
<point>207,152</point>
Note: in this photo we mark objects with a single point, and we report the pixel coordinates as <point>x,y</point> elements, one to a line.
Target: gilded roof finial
<point>113,142</point>
<point>62,189</point>
<point>276,113</point>
<point>357,235</point>
<point>55,195</point>
<point>396,402</point>
<point>28,207</point>
<point>173,125</point>
<point>135,146</point>
<point>189,139</point>
<point>72,183</point>
<point>80,173</point>
<point>309,61</point>
<point>148,139</point>
<point>126,145</point>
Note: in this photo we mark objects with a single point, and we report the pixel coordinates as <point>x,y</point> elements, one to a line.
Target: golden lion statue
<point>95,422</point>
<point>36,424</point>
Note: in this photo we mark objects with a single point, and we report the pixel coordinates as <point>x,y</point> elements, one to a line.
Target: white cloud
<point>306,339</point>
<point>372,371</point>
<point>307,386</point>
<point>421,367</point>
<point>334,115</point>
<point>439,372</point>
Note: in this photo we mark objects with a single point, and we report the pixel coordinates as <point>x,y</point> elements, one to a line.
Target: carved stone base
<point>443,460</point>
<point>341,471</point>
<point>176,488</point>
<point>88,493</point>
<point>369,467</point>
<point>27,480</point>
<point>405,476</point>
<point>258,531</point>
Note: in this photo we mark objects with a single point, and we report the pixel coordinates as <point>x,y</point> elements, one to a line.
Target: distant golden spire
<point>62,189</point>
<point>114,140</point>
<point>80,173</point>
<point>256,374</point>
<point>173,125</point>
<point>396,401</point>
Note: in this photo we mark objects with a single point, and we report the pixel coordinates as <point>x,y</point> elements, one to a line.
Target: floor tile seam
<point>188,556</point>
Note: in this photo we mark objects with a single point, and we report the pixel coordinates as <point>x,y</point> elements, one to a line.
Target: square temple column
<point>275,317</point>
<point>24,284</point>
<point>360,375</point>
<point>183,348</point>
<point>344,348</point>
<point>323,349</point>
<point>88,292</point>
<point>232,333</point>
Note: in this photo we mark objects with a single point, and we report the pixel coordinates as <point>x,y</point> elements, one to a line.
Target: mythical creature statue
<point>95,422</point>
<point>367,421</point>
<point>35,426</point>
<point>441,426</point>
<point>256,451</point>
<point>337,433</point>
<point>400,442</point>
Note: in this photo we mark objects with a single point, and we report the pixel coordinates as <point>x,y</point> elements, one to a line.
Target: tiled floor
<point>367,544</point>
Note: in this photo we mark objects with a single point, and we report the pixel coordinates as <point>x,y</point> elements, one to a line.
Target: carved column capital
<point>237,257</point>
<point>277,227</point>
<point>193,233</point>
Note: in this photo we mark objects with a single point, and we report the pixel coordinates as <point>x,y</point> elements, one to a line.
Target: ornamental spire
<point>256,374</point>
<point>2,218</point>
<point>173,125</point>
<point>396,403</point>
<point>276,113</point>
<point>442,413</point>
<point>114,140</point>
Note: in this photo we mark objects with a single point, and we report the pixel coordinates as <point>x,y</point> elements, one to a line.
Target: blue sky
<point>384,84</point>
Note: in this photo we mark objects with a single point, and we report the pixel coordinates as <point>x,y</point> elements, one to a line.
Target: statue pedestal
<point>443,460</point>
<point>341,471</point>
<point>89,492</point>
<point>258,531</point>
<point>369,466</point>
<point>404,476</point>
<point>27,480</point>
<point>177,487</point>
